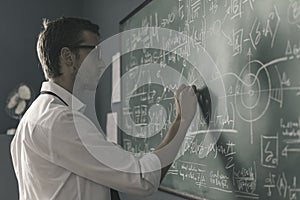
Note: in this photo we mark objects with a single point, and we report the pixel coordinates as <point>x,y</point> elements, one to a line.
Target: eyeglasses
<point>89,47</point>
<point>83,46</point>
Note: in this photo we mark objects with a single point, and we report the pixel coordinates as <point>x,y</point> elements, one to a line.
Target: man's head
<point>64,43</point>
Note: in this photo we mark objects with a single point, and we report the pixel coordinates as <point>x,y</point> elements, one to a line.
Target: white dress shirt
<point>51,161</point>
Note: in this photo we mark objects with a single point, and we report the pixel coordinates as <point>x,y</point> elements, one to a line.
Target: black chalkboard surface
<point>247,53</point>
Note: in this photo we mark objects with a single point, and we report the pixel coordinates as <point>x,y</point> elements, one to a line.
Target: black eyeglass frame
<point>88,47</point>
<point>83,46</point>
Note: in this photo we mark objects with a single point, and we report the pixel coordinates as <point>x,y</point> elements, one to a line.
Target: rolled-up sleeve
<point>74,143</point>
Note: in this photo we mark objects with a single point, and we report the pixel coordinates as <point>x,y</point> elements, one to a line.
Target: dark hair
<point>59,33</point>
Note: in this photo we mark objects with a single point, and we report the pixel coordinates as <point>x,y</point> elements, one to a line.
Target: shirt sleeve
<point>74,143</point>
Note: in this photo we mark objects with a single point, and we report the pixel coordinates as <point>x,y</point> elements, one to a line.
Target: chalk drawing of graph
<point>255,90</point>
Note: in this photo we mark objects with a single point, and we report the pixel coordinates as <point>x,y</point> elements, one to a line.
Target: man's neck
<point>64,83</point>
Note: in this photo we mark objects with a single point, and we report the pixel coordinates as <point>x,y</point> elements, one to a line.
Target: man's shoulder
<point>44,113</point>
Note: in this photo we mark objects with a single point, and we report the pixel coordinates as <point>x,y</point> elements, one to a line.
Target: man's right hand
<point>186,106</point>
<point>186,102</point>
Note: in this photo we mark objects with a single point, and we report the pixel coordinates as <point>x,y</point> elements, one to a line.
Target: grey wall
<point>20,22</point>
<point>8,181</point>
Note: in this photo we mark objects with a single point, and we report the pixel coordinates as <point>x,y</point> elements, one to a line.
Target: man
<point>51,160</point>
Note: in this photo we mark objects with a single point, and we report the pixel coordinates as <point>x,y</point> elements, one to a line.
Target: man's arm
<point>173,131</point>
<point>186,102</point>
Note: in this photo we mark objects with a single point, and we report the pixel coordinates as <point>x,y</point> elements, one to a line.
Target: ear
<point>67,56</point>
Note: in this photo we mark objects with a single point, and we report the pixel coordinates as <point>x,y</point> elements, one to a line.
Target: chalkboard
<point>247,54</point>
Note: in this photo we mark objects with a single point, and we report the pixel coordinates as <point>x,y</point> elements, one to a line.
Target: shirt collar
<point>73,102</point>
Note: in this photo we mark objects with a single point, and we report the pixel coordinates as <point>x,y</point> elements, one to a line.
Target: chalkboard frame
<point>161,188</point>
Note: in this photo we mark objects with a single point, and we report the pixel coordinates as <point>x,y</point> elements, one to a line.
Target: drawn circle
<point>144,112</point>
<point>253,91</point>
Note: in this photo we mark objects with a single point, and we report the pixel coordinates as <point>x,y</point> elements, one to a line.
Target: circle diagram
<point>253,91</point>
